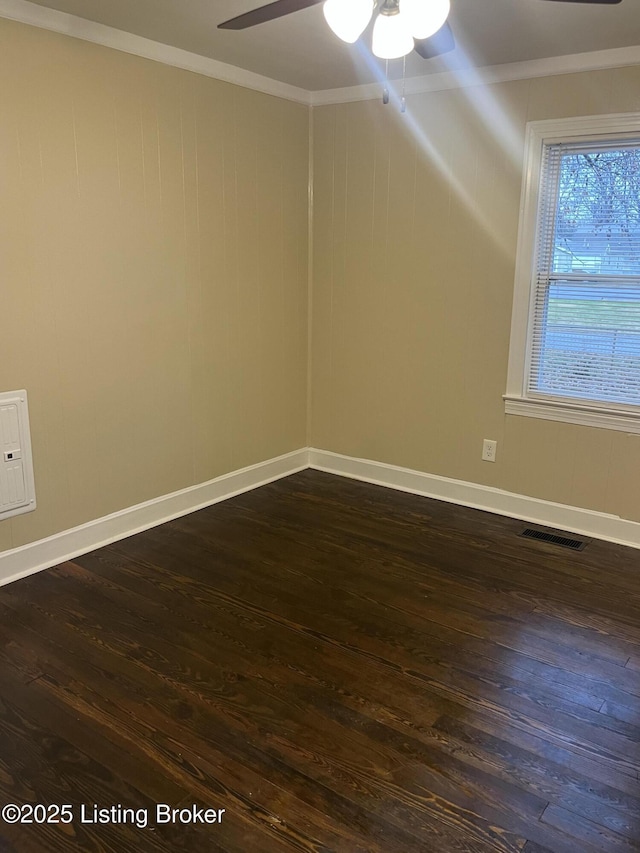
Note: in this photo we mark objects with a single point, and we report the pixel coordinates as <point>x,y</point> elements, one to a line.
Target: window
<point>575,339</point>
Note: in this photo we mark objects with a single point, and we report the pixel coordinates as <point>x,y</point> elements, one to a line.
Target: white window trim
<point>517,402</point>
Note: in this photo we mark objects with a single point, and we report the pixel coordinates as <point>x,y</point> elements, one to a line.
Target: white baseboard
<point>598,525</point>
<point>36,556</point>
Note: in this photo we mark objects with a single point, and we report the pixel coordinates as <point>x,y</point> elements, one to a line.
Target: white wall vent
<point>17,490</point>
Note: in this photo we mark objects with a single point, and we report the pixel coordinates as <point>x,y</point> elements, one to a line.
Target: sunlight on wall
<point>485,104</point>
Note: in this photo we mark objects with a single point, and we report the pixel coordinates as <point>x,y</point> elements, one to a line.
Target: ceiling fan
<point>440,41</point>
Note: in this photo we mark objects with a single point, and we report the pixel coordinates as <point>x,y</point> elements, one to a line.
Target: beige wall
<point>415,225</point>
<point>153,271</point>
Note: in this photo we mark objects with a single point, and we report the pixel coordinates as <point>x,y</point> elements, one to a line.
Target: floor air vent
<point>564,541</point>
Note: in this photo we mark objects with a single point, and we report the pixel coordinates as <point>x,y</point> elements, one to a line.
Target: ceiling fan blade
<point>267,13</point>
<point>442,42</point>
<point>595,2</point>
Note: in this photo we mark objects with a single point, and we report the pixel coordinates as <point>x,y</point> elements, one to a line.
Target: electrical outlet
<point>489,449</point>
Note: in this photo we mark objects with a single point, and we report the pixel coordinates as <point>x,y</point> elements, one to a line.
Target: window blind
<point>584,340</point>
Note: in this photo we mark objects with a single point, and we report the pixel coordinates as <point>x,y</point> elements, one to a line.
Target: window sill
<point>577,413</point>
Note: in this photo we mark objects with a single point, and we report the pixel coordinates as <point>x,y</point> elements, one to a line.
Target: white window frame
<point>517,401</point>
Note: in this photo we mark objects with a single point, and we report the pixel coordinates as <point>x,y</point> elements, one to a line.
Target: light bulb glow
<point>391,36</point>
<point>348,18</point>
<point>425,17</point>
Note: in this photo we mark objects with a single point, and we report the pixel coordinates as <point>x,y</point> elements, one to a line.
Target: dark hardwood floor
<point>339,667</point>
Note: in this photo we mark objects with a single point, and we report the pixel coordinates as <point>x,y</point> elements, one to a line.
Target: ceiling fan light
<point>425,17</point>
<point>391,37</point>
<point>348,18</point>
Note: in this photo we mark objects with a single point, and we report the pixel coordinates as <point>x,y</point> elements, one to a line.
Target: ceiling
<point>301,50</point>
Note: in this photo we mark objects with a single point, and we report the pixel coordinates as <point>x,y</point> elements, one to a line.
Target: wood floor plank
<point>590,832</point>
<point>83,698</point>
<point>46,767</point>
<point>537,742</point>
<point>451,643</point>
<point>343,668</point>
<point>175,712</point>
<point>610,629</point>
<point>494,551</point>
<point>555,782</point>
<point>470,654</point>
<point>589,691</point>
<point>583,729</point>
<point>565,639</point>
<point>313,730</point>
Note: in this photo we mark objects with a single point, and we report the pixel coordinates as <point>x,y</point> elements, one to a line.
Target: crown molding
<point>61,22</point>
<point>572,64</point>
<point>71,25</point>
